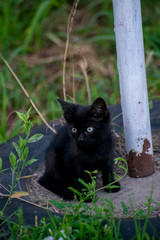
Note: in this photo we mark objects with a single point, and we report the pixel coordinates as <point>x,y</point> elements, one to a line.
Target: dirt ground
<point>134,191</point>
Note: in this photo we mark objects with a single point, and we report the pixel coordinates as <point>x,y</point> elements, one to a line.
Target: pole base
<point>141,165</point>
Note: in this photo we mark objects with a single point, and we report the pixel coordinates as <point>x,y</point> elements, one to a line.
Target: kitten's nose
<point>81,138</point>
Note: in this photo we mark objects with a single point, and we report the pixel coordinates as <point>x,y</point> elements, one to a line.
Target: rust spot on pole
<point>141,165</point>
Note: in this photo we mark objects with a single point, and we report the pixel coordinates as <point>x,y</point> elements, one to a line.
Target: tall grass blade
<point>4,107</point>
<point>40,11</point>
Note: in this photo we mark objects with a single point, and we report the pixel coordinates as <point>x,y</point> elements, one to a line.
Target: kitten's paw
<point>67,195</point>
<point>114,189</point>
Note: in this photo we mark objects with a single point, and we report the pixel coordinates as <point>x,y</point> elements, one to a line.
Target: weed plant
<point>19,161</point>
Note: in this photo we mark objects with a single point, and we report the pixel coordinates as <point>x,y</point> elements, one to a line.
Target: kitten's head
<point>87,124</point>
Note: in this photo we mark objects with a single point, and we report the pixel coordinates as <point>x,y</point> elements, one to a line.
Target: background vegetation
<point>32,40</point>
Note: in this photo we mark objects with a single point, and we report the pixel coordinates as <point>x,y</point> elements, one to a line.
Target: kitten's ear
<point>68,109</point>
<point>99,110</point>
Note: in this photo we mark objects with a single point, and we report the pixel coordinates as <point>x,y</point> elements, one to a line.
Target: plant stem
<point>107,186</point>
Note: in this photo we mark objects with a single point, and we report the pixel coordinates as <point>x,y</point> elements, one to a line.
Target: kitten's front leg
<point>55,178</point>
<point>108,176</point>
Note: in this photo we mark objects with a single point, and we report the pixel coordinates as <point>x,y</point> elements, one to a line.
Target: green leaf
<point>2,170</point>
<point>75,191</point>
<point>1,214</point>
<point>91,173</point>
<point>116,175</point>
<point>27,127</point>
<point>35,138</point>
<point>122,167</point>
<point>120,159</point>
<point>17,148</point>
<point>140,213</point>
<point>109,203</point>
<point>83,182</point>
<point>25,154</point>
<point>22,116</point>
<point>86,207</point>
<point>94,172</point>
<point>28,113</point>
<point>0,163</point>
<point>13,160</point>
<point>124,207</point>
<point>30,162</point>
<point>146,236</point>
<point>22,143</point>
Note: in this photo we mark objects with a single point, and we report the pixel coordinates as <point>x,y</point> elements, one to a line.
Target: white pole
<point>133,86</point>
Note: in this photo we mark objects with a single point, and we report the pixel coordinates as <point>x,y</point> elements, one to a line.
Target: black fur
<point>75,149</point>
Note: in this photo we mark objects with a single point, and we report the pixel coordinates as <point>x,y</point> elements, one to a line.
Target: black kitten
<point>83,143</point>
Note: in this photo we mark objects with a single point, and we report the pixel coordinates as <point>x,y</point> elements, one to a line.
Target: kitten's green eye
<point>74,130</point>
<point>90,129</point>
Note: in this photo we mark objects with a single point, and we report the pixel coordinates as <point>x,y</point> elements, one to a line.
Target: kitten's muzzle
<point>81,139</point>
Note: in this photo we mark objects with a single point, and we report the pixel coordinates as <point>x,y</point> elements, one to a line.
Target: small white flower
<point>49,238</point>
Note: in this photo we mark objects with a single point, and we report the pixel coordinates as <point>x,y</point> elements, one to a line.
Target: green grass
<point>30,28</point>
<point>82,221</point>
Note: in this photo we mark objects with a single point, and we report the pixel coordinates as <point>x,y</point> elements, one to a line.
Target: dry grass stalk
<point>69,30</point>
<point>83,65</point>
<point>74,95</point>
<point>24,200</point>
<point>27,95</point>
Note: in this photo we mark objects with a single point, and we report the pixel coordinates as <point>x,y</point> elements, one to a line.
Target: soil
<point>134,193</point>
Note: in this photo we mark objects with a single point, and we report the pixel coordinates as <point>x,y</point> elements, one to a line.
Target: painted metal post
<point>133,86</point>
